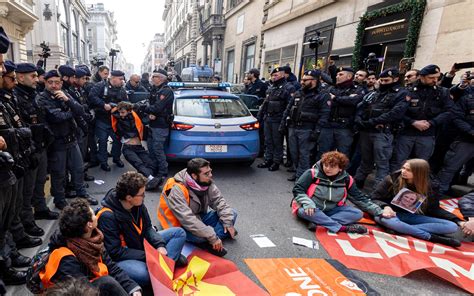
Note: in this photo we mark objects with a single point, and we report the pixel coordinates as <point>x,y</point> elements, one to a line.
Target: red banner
<point>398,255</point>
<point>451,205</point>
<point>205,274</point>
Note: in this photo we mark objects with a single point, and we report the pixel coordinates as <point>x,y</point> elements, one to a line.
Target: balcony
<point>214,24</point>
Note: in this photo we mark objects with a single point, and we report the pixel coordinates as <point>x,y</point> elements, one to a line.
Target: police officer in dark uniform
<point>376,117</point>
<point>278,96</point>
<point>427,112</point>
<point>8,147</point>
<point>64,154</point>
<point>102,97</point>
<point>256,87</point>
<point>35,179</point>
<point>24,158</point>
<point>306,112</point>
<point>159,110</point>
<point>462,150</point>
<point>345,96</point>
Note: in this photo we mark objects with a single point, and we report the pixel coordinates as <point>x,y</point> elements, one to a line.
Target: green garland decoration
<point>417,8</point>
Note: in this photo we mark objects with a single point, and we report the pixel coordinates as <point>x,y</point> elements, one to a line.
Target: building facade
<point>156,57</point>
<point>62,26</point>
<point>17,18</point>
<point>102,31</point>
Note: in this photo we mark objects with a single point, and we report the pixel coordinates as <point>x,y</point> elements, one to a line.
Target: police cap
<point>160,71</point>
<point>10,67</point>
<point>117,73</point>
<point>277,69</point>
<point>287,69</point>
<point>390,72</point>
<point>346,69</point>
<point>26,68</point>
<point>85,69</point>
<point>313,73</point>
<point>4,41</point>
<point>80,73</point>
<point>66,70</point>
<point>51,73</point>
<point>430,69</point>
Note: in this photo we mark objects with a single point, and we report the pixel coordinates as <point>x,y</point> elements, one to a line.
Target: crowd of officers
<point>59,123</point>
<point>378,120</point>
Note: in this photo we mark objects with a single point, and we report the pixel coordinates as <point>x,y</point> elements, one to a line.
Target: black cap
<point>347,69</point>
<point>10,67</point>
<point>313,73</point>
<point>66,70</point>
<point>255,72</point>
<point>26,68</point>
<point>4,41</point>
<point>161,71</point>
<point>85,68</point>
<point>80,73</point>
<point>51,73</point>
<point>430,69</point>
<point>287,69</point>
<point>277,69</point>
<point>40,71</point>
<point>117,73</point>
<point>390,72</point>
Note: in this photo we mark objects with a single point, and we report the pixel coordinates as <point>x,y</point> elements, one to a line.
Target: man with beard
<point>191,200</point>
<point>372,81</point>
<point>304,115</point>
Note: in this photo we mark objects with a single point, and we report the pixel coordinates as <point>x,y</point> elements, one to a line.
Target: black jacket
<point>463,117</point>
<point>138,88</point>
<point>276,101</point>
<point>386,191</point>
<point>104,93</point>
<point>257,88</point>
<point>119,222</point>
<point>70,266</point>
<point>343,106</point>
<point>161,105</point>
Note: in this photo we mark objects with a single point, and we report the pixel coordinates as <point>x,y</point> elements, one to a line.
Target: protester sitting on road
<point>78,246</point>
<point>320,196</point>
<point>466,205</point>
<point>128,127</point>
<point>429,222</point>
<point>185,202</point>
<point>125,222</point>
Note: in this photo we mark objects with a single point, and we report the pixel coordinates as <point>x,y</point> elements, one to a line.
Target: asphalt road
<point>262,199</point>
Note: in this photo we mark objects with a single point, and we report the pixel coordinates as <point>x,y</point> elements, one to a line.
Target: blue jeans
<point>333,219</point>
<point>418,226</point>
<point>103,131</point>
<point>211,219</point>
<point>174,237</point>
<point>156,147</point>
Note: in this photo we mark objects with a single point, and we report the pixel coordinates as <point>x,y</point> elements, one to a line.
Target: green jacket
<point>329,193</point>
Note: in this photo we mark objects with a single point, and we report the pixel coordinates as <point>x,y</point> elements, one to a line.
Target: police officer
<point>40,85</point>
<point>291,79</point>
<point>462,150</point>
<point>427,112</point>
<point>305,113</point>
<point>103,96</point>
<point>159,110</point>
<point>345,95</point>
<point>8,145</point>
<point>376,117</point>
<point>35,179</point>
<point>256,87</point>
<point>278,96</point>
<point>60,112</point>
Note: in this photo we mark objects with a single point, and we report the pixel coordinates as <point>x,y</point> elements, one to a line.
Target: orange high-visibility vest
<point>165,215</point>
<point>122,239</point>
<point>138,123</point>
<point>54,260</point>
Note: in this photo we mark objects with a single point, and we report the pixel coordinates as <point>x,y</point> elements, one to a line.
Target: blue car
<point>211,123</point>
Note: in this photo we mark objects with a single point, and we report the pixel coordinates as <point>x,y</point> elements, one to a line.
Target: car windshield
<point>211,107</point>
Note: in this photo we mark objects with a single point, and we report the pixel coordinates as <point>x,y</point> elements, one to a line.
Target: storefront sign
<point>387,29</point>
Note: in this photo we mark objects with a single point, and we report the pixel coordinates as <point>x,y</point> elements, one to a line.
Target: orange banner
<point>205,274</point>
<point>452,205</point>
<point>398,255</point>
<point>304,276</point>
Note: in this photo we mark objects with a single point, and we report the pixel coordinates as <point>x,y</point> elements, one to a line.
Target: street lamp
<point>113,54</point>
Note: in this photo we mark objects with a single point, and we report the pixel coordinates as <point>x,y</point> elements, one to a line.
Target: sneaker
<point>312,227</point>
<point>182,261</point>
<point>356,228</point>
<point>452,242</point>
<point>154,184</point>
<point>208,247</point>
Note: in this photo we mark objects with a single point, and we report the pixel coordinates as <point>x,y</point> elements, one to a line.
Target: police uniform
<point>462,150</point>
<point>161,106</point>
<point>278,96</point>
<point>104,93</point>
<point>306,113</point>
<point>430,103</point>
<point>376,118</point>
<point>64,152</point>
<point>35,178</point>
<point>338,133</point>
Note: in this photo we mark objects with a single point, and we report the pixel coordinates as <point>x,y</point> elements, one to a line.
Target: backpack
<point>312,188</point>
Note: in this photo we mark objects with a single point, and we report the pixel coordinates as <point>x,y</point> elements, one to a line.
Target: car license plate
<point>216,148</point>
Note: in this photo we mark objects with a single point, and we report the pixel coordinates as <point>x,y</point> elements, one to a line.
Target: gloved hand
<point>6,160</point>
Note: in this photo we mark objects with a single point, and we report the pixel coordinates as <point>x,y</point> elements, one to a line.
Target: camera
<point>469,75</point>
<point>371,62</point>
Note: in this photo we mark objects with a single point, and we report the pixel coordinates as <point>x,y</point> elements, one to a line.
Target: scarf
<point>88,250</point>
<point>193,184</point>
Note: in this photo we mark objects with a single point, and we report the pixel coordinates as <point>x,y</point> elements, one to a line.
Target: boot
<point>182,261</point>
<point>14,277</point>
<point>265,164</point>
<point>33,229</point>
<point>274,167</point>
<point>452,242</point>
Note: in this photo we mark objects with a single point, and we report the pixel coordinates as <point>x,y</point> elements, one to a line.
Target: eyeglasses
<point>51,82</point>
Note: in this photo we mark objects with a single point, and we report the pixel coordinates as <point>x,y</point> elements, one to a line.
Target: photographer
<point>466,86</point>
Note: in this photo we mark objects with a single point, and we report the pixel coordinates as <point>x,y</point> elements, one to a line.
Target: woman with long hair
<point>429,222</point>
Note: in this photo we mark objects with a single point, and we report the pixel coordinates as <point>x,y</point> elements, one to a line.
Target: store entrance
<point>388,55</point>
